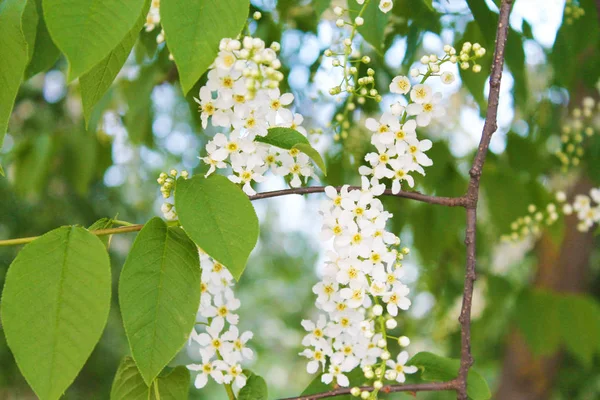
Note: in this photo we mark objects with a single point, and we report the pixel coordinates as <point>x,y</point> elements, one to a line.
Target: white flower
<point>234,374</point>
<point>235,346</point>
<point>223,308</point>
<point>211,339</point>
<point>400,368</point>
<point>400,85</point>
<point>447,77</point>
<point>420,93</point>
<point>316,357</point>
<point>207,368</point>
<point>336,372</point>
<point>397,299</point>
<point>316,336</point>
<point>383,129</point>
<point>427,110</point>
<point>206,105</point>
<point>401,173</point>
<point>386,5</point>
<point>416,150</point>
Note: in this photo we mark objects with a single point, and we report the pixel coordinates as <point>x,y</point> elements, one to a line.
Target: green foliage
<point>287,138</point>
<point>255,389</point>
<point>320,6</point>
<point>159,295</point>
<point>96,82</point>
<point>193,30</point>
<point>44,53</point>
<point>55,305</point>
<point>539,320</point>
<point>373,29</point>
<point>571,48</point>
<point>219,218</point>
<point>13,47</point>
<point>548,319</point>
<point>436,368</point>
<point>29,24</point>
<point>129,384</point>
<point>580,326</point>
<point>100,25</point>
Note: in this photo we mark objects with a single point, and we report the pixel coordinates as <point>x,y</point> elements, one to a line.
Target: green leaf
<point>429,4</point>
<point>90,29</point>
<point>45,52</point>
<point>29,26</point>
<point>538,319</point>
<point>436,368</point>
<point>194,29</point>
<point>159,295</point>
<point>13,48</point>
<point>97,81</point>
<point>373,29</point>
<point>219,217</point>
<point>320,6</point>
<point>255,389</point>
<point>580,326</point>
<point>129,384</point>
<point>288,138</point>
<point>2,171</point>
<point>55,305</point>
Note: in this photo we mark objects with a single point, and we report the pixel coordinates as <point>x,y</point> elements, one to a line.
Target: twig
<point>489,127</point>
<point>446,201</point>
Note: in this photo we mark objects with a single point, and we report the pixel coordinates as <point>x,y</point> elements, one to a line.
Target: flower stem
<point>156,392</point>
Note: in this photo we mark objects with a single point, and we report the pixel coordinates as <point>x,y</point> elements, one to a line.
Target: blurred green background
<point>536,316</point>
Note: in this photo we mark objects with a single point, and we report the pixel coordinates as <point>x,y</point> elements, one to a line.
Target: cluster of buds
<point>153,17</point>
<point>583,122</point>
<point>534,222</point>
<point>585,207</point>
<point>167,187</point>
<point>573,11</point>
<point>357,88</point>
<point>465,59</point>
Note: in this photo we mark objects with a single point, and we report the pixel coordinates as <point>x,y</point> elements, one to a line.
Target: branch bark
<point>490,126</point>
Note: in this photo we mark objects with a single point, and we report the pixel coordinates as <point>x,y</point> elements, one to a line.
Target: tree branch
<point>421,387</point>
<point>490,126</point>
<point>445,201</point>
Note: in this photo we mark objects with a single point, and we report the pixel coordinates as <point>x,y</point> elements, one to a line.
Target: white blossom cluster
<point>399,151</point>
<point>361,292</point>
<point>586,208</point>
<point>222,347</point>
<point>587,212</point>
<point>242,95</point>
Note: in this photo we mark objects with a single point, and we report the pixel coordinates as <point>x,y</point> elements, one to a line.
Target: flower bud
<point>377,310</point>
<point>403,341</point>
<point>391,323</point>
<point>381,343</point>
<point>355,391</point>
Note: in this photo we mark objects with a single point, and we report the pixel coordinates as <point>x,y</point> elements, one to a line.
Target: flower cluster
<point>583,122</point>
<point>167,187</point>
<point>573,11</point>
<point>582,206</point>
<point>153,17</point>
<point>533,223</point>
<point>221,350</point>
<point>587,212</point>
<point>399,151</point>
<point>360,294</point>
<point>245,79</point>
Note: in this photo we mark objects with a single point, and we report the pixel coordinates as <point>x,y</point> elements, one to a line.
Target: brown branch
<point>420,387</point>
<point>490,126</point>
<point>446,201</point>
